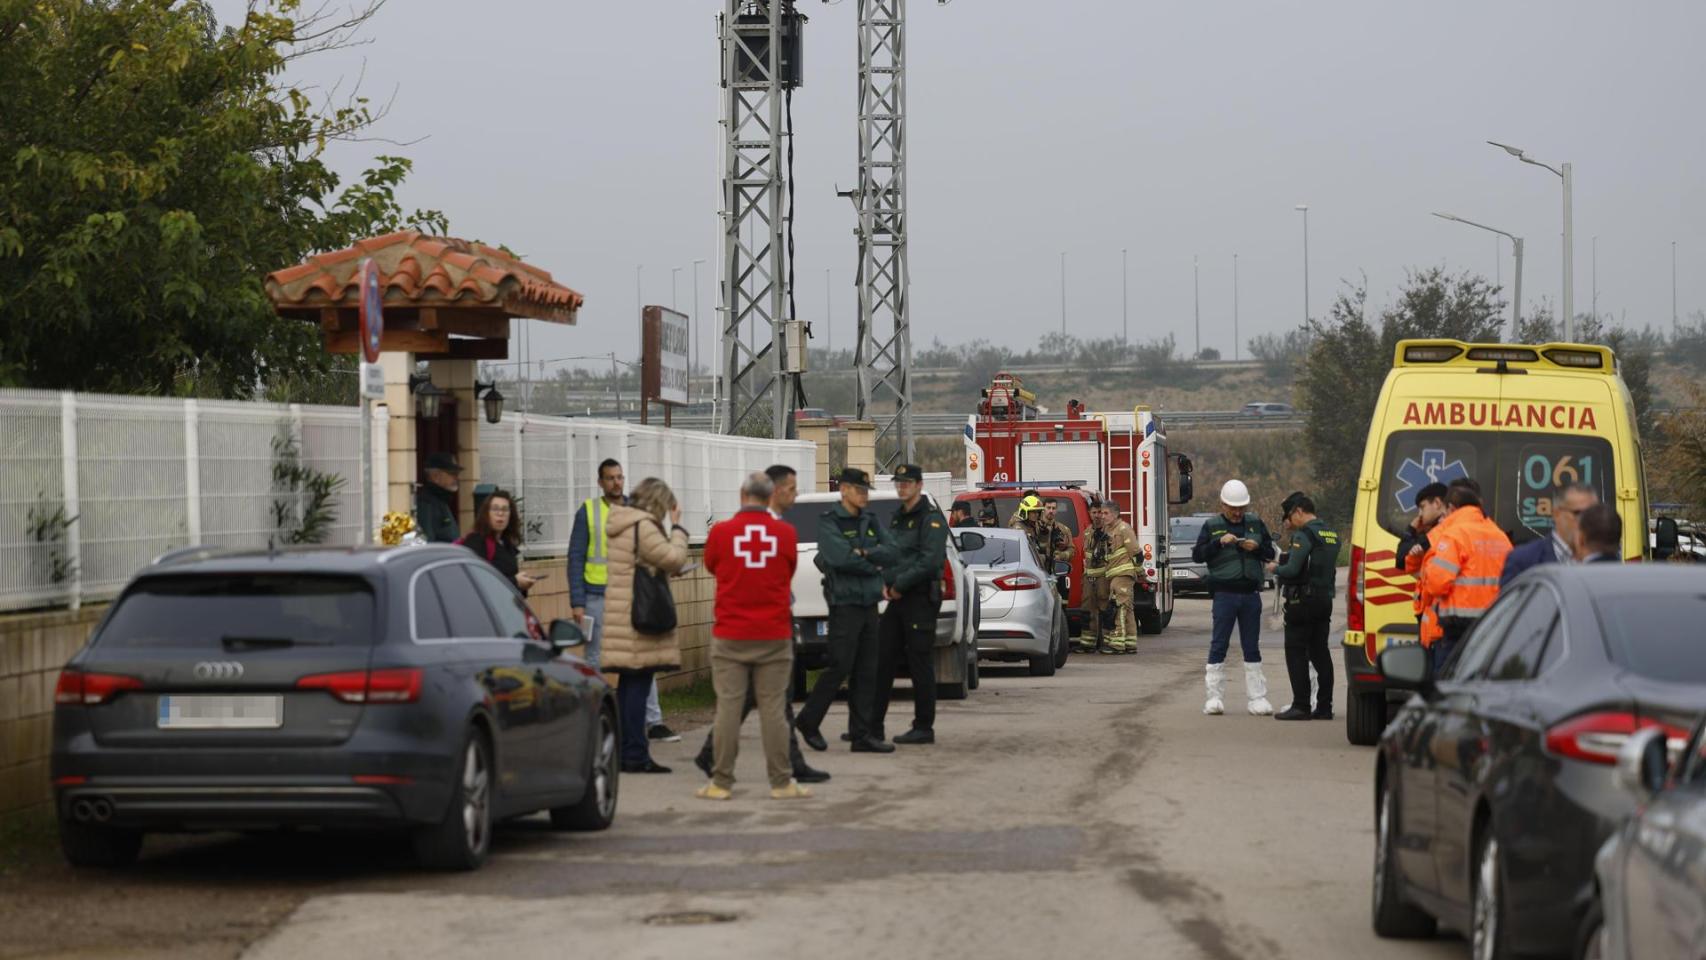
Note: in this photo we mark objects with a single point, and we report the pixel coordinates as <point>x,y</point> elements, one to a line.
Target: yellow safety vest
<point>597,571</point>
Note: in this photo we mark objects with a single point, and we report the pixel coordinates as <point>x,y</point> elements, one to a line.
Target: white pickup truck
<point>956,624</point>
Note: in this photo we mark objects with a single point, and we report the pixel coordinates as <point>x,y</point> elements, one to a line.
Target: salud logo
<point>756,546</point>
<point>1432,469</point>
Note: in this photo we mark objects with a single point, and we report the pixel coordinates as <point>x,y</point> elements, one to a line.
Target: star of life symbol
<point>1432,469</point>
<point>756,546</point>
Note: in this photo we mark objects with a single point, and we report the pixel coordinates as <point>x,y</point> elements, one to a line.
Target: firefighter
<point>1122,572</point>
<point>1306,580</point>
<point>1460,572</point>
<point>1051,538</point>
<point>1097,589</point>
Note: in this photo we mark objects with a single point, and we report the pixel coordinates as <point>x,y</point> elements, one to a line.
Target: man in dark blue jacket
<point>1567,506</point>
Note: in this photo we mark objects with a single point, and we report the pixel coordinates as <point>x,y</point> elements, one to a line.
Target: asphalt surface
<point>1094,813</point>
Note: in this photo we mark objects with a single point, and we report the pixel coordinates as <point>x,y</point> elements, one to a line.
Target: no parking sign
<point>372,311</point>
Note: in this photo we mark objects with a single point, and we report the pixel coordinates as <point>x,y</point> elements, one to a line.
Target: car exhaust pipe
<point>101,809</point>
<point>82,811</point>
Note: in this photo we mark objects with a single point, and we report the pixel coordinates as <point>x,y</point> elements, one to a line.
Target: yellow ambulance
<point>1521,420</point>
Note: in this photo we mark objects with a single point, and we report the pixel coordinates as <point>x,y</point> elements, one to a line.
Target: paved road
<point>1096,811</point>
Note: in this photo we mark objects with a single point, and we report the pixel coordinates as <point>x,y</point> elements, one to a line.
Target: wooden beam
<point>488,327</point>
<point>471,350</point>
<point>394,341</point>
<point>429,318</point>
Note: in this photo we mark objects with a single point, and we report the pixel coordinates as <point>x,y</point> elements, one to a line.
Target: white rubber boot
<point>1256,690</point>
<point>1314,687</point>
<point>1214,678</point>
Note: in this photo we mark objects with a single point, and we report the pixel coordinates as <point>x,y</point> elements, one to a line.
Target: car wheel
<point>1365,718</point>
<point>1042,666</point>
<point>1149,622</point>
<point>463,838</point>
<point>1487,936</point>
<point>95,845</point>
<point>597,808</point>
<point>1166,619</point>
<point>1393,917</point>
<point>973,678</point>
<point>1591,943</point>
<point>1063,647</point>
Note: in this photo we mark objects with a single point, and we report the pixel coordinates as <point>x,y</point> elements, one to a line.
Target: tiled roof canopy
<point>420,271</point>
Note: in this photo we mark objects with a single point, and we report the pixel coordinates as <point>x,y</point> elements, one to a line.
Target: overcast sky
<point>585,136</point>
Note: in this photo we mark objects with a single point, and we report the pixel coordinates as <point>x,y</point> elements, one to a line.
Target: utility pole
<point>1594,275</point>
<point>1673,317</point>
<point>828,314</point>
<point>1125,330</point>
<point>1235,307</point>
<point>883,351</point>
<point>1196,300</point>
<point>1063,293</point>
<point>758,41</point>
<point>696,357</point>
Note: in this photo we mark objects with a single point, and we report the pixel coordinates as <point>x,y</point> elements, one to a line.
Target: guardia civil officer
<point>1307,587</point>
<point>850,545</point>
<point>912,584</point>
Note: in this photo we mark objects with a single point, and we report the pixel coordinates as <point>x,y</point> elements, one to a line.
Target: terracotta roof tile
<point>417,270</point>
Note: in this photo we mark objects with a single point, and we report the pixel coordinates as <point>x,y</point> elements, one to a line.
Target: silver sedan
<point>1022,617</point>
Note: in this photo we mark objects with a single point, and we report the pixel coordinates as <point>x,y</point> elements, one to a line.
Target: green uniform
<point>1307,582</point>
<point>849,547</point>
<point>435,514</point>
<point>913,566</point>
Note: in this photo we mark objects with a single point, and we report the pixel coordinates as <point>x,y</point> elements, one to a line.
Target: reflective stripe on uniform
<point>1477,581</point>
<point>597,572</point>
<point>1447,565</point>
<point>1464,613</point>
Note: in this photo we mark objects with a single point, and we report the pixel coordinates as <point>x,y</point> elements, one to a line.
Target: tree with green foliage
<point>1349,356</point>
<point>153,168</point>
<point>1634,350</point>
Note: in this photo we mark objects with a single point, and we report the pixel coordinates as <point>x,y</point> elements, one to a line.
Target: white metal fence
<point>552,464</point>
<point>92,487</point>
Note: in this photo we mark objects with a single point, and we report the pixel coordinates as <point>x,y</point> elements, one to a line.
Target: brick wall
<point>32,649</point>
<point>33,646</point>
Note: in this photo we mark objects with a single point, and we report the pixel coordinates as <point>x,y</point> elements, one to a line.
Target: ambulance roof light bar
<point>1035,485</point>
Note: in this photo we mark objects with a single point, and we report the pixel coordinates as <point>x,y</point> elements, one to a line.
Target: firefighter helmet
<point>1030,505</point>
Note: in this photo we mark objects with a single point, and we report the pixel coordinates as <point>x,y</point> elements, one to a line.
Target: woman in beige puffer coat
<point>636,533</point>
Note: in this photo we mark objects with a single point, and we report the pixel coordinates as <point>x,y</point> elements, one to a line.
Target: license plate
<point>1185,574</point>
<point>220,713</point>
<point>823,628</point>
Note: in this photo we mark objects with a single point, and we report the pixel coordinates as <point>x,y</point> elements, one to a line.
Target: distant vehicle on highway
<point>956,622</point>
<point>1266,410</point>
<point>819,413</point>
<point>1495,787</point>
<point>1021,616</point>
<point>1652,900</point>
<point>361,689</point>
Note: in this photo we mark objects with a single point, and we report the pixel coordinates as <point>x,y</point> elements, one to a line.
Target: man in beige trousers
<point>752,555</point>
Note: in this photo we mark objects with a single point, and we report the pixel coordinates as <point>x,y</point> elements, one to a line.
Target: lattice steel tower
<point>884,356</point>
<point>760,53</point>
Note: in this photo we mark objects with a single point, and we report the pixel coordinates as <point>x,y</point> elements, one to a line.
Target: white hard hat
<point>1233,493</point>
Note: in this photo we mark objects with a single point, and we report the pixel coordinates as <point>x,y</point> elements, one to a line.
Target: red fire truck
<point>1118,456</point>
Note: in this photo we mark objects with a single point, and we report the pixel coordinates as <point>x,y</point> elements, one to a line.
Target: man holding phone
<point>1235,546</point>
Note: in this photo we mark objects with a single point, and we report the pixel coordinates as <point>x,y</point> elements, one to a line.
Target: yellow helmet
<point>1031,505</point>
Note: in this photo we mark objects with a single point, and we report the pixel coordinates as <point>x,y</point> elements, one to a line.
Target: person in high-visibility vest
<point>589,555</point>
<point>1460,572</point>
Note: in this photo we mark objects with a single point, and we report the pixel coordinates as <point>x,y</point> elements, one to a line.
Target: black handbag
<point>653,611</point>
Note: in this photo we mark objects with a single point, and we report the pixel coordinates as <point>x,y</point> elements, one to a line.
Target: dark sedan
<point>1495,787</point>
<point>408,688</point>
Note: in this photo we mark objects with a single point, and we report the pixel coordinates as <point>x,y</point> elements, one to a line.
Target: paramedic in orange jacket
<point>1460,572</point>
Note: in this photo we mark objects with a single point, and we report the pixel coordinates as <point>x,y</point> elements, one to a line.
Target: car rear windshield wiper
<point>232,641</point>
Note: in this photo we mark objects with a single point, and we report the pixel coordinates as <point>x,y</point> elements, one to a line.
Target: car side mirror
<point>1407,666</point>
<point>970,541</point>
<point>1187,489</point>
<point>1667,539</point>
<point>566,635</point>
<point>1643,763</point>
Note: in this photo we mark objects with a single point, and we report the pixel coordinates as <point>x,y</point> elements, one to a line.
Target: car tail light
<point>90,689</point>
<point>1017,581</point>
<point>1353,592</point>
<point>948,589</point>
<point>1596,737</point>
<point>368,686</point>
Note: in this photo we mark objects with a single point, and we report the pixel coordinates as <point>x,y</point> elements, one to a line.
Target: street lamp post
<point>1125,330</point>
<point>1235,308</point>
<point>1196,303</point>
<point>1304,209</point>
<point>696,264</point>
<point>1568,176</point>
<point>1516,244</point>
<point>673,300</point>
<point>1063,293</point>
<point>828,314</point>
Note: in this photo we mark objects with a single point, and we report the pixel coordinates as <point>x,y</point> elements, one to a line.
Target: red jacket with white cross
<point>752,554</point>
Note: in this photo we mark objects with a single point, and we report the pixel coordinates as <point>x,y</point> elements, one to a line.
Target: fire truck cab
<point>1121,457</point>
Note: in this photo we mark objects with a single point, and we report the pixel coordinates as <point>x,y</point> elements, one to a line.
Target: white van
<point>956,624</point>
